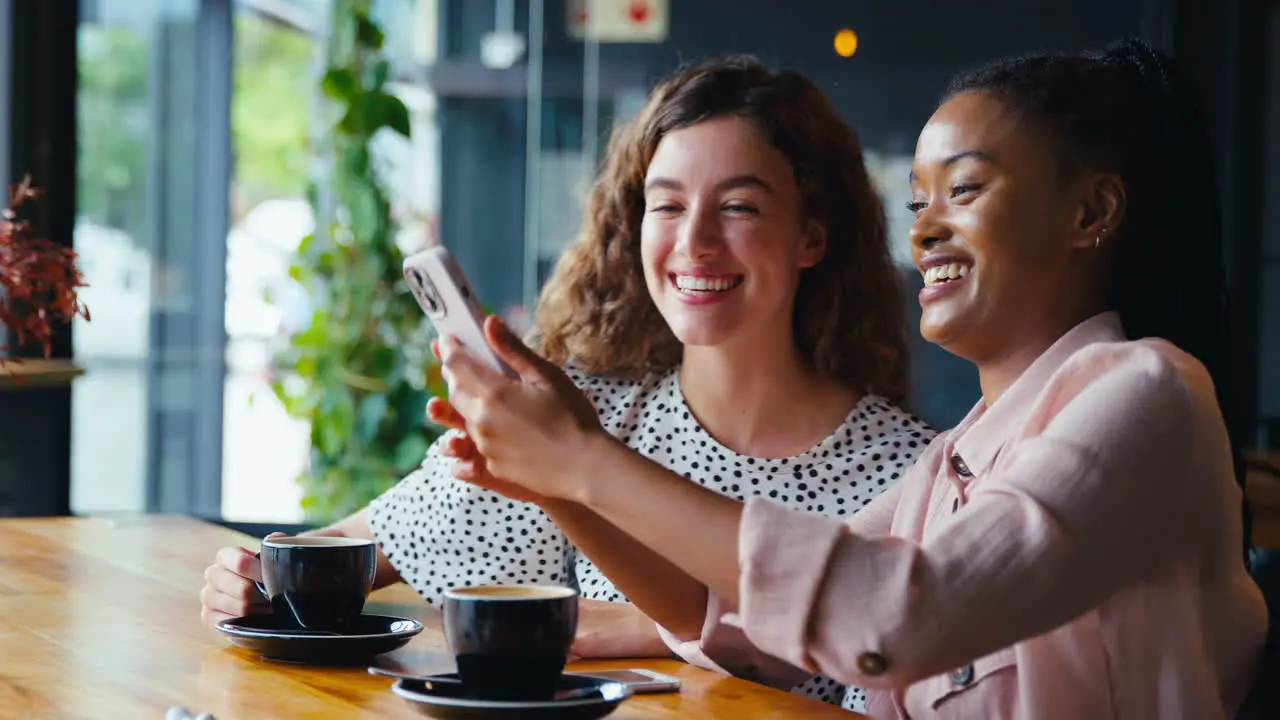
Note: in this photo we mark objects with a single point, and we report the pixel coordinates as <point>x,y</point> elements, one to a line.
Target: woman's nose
<point>927,230</point>
<point>700,233</point>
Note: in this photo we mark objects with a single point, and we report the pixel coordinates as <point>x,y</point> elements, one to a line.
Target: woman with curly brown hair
<point>731,311</point>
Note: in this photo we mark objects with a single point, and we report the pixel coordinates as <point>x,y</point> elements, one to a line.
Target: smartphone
<point>638,679</point>
<point>443,293</point>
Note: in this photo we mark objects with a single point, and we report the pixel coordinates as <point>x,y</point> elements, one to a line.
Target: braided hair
<point>1127,110</point>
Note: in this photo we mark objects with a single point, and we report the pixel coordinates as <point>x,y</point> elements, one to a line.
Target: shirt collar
<point>984,430</point>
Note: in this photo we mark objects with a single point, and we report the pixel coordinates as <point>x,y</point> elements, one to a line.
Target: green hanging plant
<point>363,371</point>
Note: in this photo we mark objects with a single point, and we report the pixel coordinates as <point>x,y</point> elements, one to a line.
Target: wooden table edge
<point>26,373</point>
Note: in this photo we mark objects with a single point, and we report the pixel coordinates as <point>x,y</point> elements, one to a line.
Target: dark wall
<point>1269,321</point>
<point>35,423</point>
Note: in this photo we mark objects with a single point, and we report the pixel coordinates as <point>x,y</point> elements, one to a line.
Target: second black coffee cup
<point>510,642</point>
<point>320,582</point>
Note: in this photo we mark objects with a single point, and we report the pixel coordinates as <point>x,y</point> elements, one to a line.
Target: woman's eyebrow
<point>950,160</point>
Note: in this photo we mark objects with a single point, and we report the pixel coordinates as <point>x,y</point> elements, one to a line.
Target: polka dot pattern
<point>440,533</point>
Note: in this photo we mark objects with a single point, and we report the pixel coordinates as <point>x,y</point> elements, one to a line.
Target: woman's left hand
<point>528,430</point>
<point>616,630</point>
<point>469,464</point>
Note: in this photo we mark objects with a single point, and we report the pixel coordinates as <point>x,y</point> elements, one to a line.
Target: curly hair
<point>849,315</point>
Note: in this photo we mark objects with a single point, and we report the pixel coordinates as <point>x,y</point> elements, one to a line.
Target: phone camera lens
<point>425,291</point>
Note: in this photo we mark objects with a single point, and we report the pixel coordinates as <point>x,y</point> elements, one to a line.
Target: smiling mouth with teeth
<point>704,285</point>
<point>942,274</point>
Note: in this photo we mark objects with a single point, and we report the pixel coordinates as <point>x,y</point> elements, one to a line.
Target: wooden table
<point>100,619</point>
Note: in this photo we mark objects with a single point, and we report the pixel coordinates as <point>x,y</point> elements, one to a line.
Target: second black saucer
<point>578,698</point>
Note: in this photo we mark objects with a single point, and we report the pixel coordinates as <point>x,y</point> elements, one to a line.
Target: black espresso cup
<point>510,642</point>
<point>319,582</point>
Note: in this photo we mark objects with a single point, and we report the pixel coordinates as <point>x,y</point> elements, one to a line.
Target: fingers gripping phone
<point>639,680</point>
<point>443,293</point>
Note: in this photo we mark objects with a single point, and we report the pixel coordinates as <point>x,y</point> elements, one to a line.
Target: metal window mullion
<point>187,353</point>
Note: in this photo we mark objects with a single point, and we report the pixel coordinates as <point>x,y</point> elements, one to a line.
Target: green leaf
<point>368,34</point>
<point>324,264</point>
<point>373,408</point>
<point>339,83</point>
<point>353,121</point>
<point>337,417</point>
<point>366,211</point>
<point>369,111</point>
<point>387,363</point>
<point>391,112</point>
<point>409,452</point>
<point>355,161</point>
<point>313,336</point>
<point>381,71</point>
<point>358,120</point>
<point>327,438</point>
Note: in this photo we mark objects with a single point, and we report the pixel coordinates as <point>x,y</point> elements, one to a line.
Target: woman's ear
<point>1102,210</point>
<point>813,245</point>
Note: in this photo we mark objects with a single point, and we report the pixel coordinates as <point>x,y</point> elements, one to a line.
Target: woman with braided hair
<point>1072,548</point>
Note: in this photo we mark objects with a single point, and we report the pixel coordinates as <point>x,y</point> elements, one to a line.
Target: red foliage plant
<point>39,279</point>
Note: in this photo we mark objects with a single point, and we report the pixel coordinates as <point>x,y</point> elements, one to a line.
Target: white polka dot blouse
<point>440,532</point>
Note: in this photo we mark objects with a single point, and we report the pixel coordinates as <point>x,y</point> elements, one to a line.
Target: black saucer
<point>276,639</point>
<point>450,702</point>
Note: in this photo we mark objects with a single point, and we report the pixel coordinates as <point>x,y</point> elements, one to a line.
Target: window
<point>195,117</point>
<point>148,136</point>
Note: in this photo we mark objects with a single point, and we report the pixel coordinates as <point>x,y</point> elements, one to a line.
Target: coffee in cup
<point>510,642</point>
<point>320,582</point>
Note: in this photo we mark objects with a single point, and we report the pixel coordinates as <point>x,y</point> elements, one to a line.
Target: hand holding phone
<point>445,296</point>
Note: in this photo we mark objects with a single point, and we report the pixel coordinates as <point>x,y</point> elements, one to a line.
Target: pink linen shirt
<point>1072,551</point>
